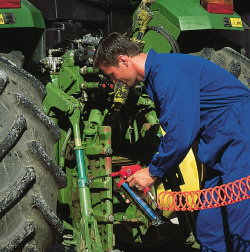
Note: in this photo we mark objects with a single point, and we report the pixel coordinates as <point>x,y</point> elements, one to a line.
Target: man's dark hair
<point>113,45</point>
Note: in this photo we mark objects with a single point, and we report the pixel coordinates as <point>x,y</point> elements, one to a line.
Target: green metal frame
<point>176,17</point>
<point>190,15</point>
<point>87,235</point>
<point>26,16</point>
<point>91,205</point>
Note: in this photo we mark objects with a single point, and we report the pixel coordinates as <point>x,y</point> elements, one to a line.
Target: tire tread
<point>16,192</point>
<point>52,127</point>
<point>13,135</point>
<point>49,215</point>
<point>51,166</point>
<point>18,237</point>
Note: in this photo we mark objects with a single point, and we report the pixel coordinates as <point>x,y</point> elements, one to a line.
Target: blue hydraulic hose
<point>154,217</point>
<point>82,177</point>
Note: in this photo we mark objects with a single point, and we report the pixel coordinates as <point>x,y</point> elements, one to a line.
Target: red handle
<point>127,171</point>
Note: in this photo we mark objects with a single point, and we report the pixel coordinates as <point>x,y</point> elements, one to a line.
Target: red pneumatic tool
<point>127,171</point>
<point>124,173</point>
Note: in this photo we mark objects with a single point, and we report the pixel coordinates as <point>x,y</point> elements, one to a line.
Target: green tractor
<point>65,127</point>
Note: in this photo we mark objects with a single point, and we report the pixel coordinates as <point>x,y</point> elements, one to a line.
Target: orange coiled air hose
<point>207,198</point>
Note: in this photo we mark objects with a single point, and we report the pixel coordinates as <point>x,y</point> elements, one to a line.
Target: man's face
<point>121,73</point>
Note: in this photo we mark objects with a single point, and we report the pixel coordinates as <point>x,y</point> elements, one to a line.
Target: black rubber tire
<point>29,178</point>
<point>15,57</point>
<point>234,62</point>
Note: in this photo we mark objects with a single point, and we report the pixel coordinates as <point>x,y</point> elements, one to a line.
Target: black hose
<point>103,176</point>
<point>173,43</point>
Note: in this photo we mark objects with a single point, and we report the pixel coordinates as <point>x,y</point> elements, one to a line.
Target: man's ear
<point>123,59</point>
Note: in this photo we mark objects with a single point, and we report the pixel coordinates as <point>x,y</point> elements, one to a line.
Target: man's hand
<point>141,179</point>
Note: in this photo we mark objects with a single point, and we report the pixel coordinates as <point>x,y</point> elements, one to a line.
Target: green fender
<point>184,15</point>
<point>26,16</point>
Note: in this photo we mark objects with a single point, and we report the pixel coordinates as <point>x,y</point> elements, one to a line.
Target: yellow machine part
<point>190,174</point>
<point>121,93</point>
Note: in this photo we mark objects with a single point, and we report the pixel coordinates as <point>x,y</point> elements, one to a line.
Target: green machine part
<point>94,208</point>
<point>178,16</point>
<point>25,17</point>
<point>77,193</point>
<point>22,29</point>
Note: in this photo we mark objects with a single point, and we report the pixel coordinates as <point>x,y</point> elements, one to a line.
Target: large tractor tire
<point>30,178</point>
<point>234,62</point>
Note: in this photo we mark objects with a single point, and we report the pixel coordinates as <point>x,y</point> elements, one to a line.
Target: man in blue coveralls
<point>196,100</point>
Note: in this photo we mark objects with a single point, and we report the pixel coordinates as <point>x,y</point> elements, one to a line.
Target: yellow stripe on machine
<point>1,19</point>
<point>236,22</point>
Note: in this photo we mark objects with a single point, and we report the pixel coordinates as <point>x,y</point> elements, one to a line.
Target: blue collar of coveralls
<point>151,55</point>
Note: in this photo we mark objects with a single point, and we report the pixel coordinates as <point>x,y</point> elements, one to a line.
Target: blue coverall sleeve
<point>179,117</point>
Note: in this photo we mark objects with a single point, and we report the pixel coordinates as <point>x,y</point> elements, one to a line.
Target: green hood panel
<point>190,15</point>
<point>26,16</point>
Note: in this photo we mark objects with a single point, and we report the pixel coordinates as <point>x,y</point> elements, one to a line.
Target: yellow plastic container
<point>190,173</point>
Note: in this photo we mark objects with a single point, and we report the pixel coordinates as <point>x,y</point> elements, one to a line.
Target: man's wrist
<point>152,175</point>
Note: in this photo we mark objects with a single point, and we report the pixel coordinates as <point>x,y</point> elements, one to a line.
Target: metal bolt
<point>111,218</point>
<point>108,151</point>
<point>83,70</point>
<point>82,86</point>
